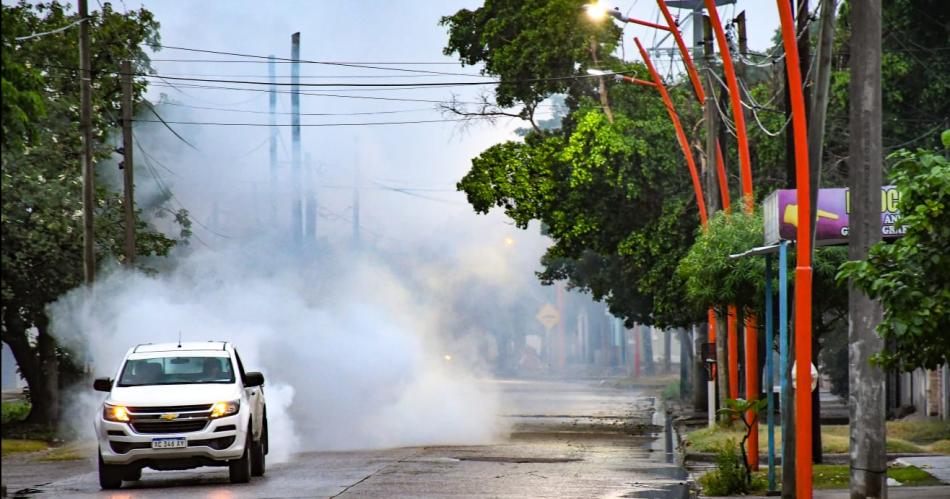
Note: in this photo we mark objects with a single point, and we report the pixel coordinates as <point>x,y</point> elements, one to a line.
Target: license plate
<point>169,443</point>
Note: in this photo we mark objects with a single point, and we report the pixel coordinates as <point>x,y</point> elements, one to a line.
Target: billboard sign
<point>780,212</point>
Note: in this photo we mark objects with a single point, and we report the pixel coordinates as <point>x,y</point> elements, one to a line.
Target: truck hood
<point>170,395</point>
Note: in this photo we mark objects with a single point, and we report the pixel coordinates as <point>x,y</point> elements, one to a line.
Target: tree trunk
<point>667,351</point>
<point>649,365</point>
<point>604,101</point>
<point>868,456</point>
<point>722,361</point>
<point>49,375</point>
<point>686,362</point>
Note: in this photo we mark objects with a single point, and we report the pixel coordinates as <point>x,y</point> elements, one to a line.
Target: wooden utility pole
<point>296,205</point>
<point>85,125</point>
<point>310,202</point>
<point>711,117</point>
<point>743,39</point>
<point>128,179</point>
<point>356,200</point>
<point>819,102</point>
<point>868,456</point>
<point>272,94</point>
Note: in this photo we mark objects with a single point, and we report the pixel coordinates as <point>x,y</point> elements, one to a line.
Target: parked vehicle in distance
<point>180,406</point>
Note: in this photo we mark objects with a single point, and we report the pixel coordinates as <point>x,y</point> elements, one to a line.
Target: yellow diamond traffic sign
<point>548,316</point>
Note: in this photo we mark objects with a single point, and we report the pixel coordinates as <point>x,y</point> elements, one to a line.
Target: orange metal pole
<point>745,170</point>
<point>733,343</point>
<point>648,24</point>
<point>700,96</point>
<point>745,165</point>
<point>803,271</point>
<point>680,135</point>
<point>752,384</point>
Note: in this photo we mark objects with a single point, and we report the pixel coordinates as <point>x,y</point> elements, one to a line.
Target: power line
<point>253,75</point>
<point>366,123</point>
<point>352,84</point>
<point>290,61</point>
<point>304,61</point>
<point>249,111</point>
<point>313,94</point>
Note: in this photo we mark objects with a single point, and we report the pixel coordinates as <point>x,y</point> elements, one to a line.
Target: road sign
<point>548,316</point>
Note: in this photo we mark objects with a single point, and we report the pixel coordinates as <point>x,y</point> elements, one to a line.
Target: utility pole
<point>868,457</point>
<point>296,207</point>
<point>271,71</point>
<point>128,178</point>
<point>711,115</point>
<point>310,229</point>
<point>356,204</point>
<point>85,124</point>
<point>702,43</point>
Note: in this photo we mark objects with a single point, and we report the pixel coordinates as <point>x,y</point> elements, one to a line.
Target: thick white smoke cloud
<point>359,367</point>
<point>353,343</point>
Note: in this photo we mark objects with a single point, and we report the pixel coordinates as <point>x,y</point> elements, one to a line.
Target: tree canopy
<point>42,177</point>
<point>911,276</point>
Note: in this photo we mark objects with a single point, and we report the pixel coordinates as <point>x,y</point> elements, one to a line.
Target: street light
<point>597,11</point>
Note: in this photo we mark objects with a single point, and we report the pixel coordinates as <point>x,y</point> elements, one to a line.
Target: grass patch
<point>29,431</point>
<point>839,440</point>
<point>69,452</point>
<point>912,475</point>
<point>941,446</point>
<point>834,439</point>
<point>919,432</point>
<point>838,476</point>
<point>14,412</point>
<point>11,446</point>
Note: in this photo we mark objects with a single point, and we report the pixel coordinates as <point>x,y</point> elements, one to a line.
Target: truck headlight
<point>116,413</point>
<point>222,409</point>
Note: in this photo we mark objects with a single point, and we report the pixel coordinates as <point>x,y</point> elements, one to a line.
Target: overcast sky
<point>429,157</point>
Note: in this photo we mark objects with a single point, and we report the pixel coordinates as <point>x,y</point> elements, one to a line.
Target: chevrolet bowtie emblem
<point>169,416</point>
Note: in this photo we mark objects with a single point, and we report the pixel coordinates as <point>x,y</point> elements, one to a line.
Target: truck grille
<point>187,418</point>
<point>154,427</point>
<point>171,408</point>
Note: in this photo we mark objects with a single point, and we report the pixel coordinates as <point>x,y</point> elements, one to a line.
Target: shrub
<point>729,477</point>
<point>14,412</point>
<point>671,391</point>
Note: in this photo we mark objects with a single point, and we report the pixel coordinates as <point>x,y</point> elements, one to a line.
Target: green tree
<point>533,46</point>
<point>711,277</point>
<point>42,179</point>
<point>911,276</point>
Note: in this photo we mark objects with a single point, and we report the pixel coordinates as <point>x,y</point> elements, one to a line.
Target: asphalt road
<point>568,439</point>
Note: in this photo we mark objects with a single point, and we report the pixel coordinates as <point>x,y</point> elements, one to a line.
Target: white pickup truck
<point>181,406</point>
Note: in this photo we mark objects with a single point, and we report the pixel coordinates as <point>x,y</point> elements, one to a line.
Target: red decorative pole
<point>745,164</point>
<point>745,170</point>
<point>680,135</point>
<point>701,97</point>
<point>803,273</point>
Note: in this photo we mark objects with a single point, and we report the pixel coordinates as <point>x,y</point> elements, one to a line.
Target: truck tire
<point>110,475</point>
<point>239,470</point>
<point>132,474</point>
<point>257,456</point>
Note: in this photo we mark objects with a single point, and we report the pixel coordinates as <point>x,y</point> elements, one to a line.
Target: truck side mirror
<point>102,384</point>
<point>253,379</point>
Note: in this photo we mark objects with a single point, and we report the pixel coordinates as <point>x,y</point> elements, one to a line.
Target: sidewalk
<point>938,466</point>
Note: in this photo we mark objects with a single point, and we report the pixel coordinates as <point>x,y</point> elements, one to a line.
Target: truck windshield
<point>176,371</point>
